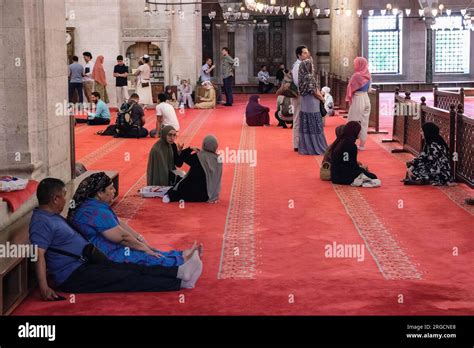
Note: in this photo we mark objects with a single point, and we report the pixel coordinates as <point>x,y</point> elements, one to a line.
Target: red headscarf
<point>98,73</point>
<point>359,79</point>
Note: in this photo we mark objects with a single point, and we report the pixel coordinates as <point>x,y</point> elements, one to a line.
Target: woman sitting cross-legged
<point>203,181</point>
<point>163,159</point>
<point>208,101</point>
<point>432,165</point>
<point>255,113</point>
<point>92,216</point>
<point>345,169</point>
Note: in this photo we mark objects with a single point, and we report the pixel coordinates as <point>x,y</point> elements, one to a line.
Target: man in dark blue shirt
<point>70,273</point>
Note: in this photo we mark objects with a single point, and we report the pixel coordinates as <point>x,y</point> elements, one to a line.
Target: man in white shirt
<point>302,53</point>
<point>165,116</point>
<point>264,86</point>
<point>206,70</point>
<point>88,81</point>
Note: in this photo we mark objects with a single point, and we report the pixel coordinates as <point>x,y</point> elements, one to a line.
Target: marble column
<point>34,130</point>
<point>345,39</point>
<point>186,45</point>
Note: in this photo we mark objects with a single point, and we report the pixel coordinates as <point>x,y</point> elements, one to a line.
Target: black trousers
<point>76,86</point>
<point>281,122</point>
<point>136,132</point>
<point>121,277</point>
<point>228,82</point>
<point>98,121</point>
<point>265,88</point>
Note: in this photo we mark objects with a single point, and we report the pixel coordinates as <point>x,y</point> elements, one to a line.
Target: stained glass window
<point>384,44</point>
<point>452,46</point>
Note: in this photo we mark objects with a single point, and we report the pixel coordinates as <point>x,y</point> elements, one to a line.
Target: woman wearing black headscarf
<point>432,166</point>
<point>345,169</point>
<point>256,114</point>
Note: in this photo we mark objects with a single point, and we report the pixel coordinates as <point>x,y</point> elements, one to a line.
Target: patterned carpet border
<point>238,256</point>
<point>391,259</point>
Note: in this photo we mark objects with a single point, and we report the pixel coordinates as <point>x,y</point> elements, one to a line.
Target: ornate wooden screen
<point>465,148</point>
<point>270,45</point>
<point>444,99</point>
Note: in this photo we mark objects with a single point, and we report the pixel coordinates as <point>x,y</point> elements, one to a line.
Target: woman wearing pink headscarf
<point>358,97</point>
<point>98,74</point>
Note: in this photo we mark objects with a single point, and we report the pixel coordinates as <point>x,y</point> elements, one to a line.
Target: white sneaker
<point>372,183</point>
<point>166,199</point>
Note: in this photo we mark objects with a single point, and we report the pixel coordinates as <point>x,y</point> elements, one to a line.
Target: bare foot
<point>188,253</point>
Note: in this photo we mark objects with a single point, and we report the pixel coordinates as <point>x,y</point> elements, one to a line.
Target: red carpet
<point>265,240</point>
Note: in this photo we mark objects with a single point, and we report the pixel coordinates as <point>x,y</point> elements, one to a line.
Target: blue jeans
<point>228,82</point>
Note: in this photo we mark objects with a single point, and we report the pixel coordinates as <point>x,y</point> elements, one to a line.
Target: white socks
<point>194,278</point>
<point>187,270</point>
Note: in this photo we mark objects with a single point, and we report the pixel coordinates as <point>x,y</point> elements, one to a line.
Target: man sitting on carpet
<point>101,115</point>
<point>77,267</point>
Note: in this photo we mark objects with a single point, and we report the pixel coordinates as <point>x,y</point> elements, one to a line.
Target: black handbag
<point>322,109</point>
<point>90,254</point>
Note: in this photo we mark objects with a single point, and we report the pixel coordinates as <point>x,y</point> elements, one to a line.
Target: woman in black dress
<point>345,169</point>
<point>203,181</point>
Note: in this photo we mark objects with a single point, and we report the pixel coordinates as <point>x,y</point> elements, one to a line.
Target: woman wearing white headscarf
<point>208,101</point>
<point>203,181</point>
<point>328,100</point>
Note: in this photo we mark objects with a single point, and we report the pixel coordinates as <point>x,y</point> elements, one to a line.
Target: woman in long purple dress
<point>312,140</point>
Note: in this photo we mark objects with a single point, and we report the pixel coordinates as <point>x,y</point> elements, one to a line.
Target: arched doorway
<point>138,50</point>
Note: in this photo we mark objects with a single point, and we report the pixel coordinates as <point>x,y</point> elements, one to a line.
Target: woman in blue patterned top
<point>92,215</point>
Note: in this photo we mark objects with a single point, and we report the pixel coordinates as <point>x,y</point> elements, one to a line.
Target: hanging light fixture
<point>448,12</point>
<point>434,12</point>
<point>395,11</point>
<point>299,11</point>
<point>383,12</point>
<point>359,12</point>
<point>291,10</point>
<point>277,9</point>
<point>408,11</point>
<point>316,12</point>
<point>371,12</point>
<point>303,4</point>
<point>307,11</point>
<point>421,12</point>
<point>338,11</point>
<point>283,9</point>
<point>327,12</point>
<point>463,12</point>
